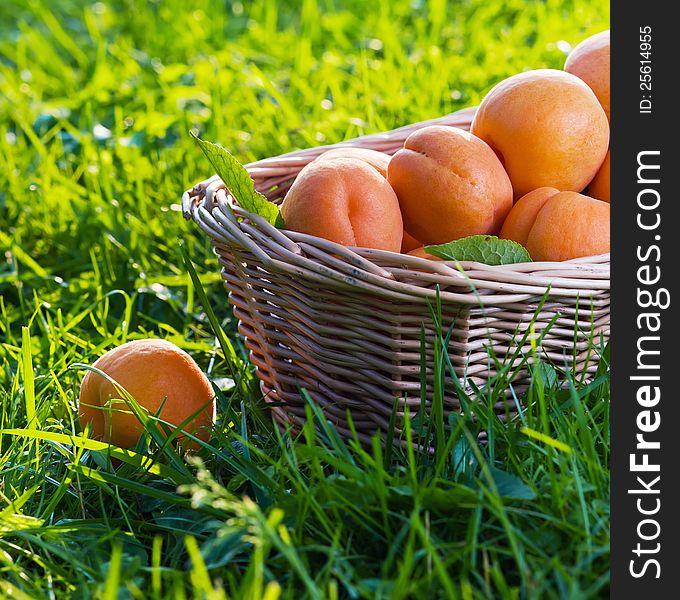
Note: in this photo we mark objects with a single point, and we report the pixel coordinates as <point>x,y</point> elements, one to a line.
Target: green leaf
<point>508,486</point>
<point>240,183</point>
<point>511,486</point>
<point>487,249</point>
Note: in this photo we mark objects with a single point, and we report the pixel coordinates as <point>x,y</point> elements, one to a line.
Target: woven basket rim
<point>211,206</point>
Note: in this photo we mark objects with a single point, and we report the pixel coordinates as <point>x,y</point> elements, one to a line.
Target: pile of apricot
<point>534,168</point>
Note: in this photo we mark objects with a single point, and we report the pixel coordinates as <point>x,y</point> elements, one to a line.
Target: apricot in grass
<point>161,377</point>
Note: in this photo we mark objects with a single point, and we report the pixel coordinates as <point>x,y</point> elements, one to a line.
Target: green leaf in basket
<point>240,183</point>
<point>487,249</point>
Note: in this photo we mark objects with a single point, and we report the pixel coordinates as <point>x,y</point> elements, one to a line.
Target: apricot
<point>521,218</point>
<point>378,160</point>
<point>450,184</point>
<point>344,200</point>
<point>409,243</point>
<point>559,226</point>
<point>420,253</point>
<point>589,61</point>
<point>548,129</point>
<point>599,186</point>
<point>161,377</point>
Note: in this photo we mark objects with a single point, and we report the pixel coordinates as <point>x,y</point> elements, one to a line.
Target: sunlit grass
<point>96,104</point>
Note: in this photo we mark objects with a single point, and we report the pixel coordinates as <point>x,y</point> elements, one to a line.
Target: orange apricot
<point>589,61</point>
<point>409,243</point>
<point>420,253</point>
<point>521,218</point>
<point>599,186</point>
<point>450,184</point>
<point>378,160</point>
<point>346,201</point>
<point>547,127</point>
<point>566,225</point>
<point>161,377</point>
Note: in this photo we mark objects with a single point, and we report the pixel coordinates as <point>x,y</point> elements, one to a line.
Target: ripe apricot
<point>158,375</point>
<point>566,225</point>
<point>547,128</point>
<point>420,253</point>
<point>599,186</point>
<point>521,218</point>
<point>346,201</point>
<point>378,160</point>
<point>409,243</point>
<point>450,184</point>
<point>589,60</point>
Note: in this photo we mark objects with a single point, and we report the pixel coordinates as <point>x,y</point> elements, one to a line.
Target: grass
<point>96,104</point>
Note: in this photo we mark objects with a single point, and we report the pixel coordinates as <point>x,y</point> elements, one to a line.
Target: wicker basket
<point>345,323</point>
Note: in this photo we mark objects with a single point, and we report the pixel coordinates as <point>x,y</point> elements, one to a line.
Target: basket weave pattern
<point>345,323</point>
